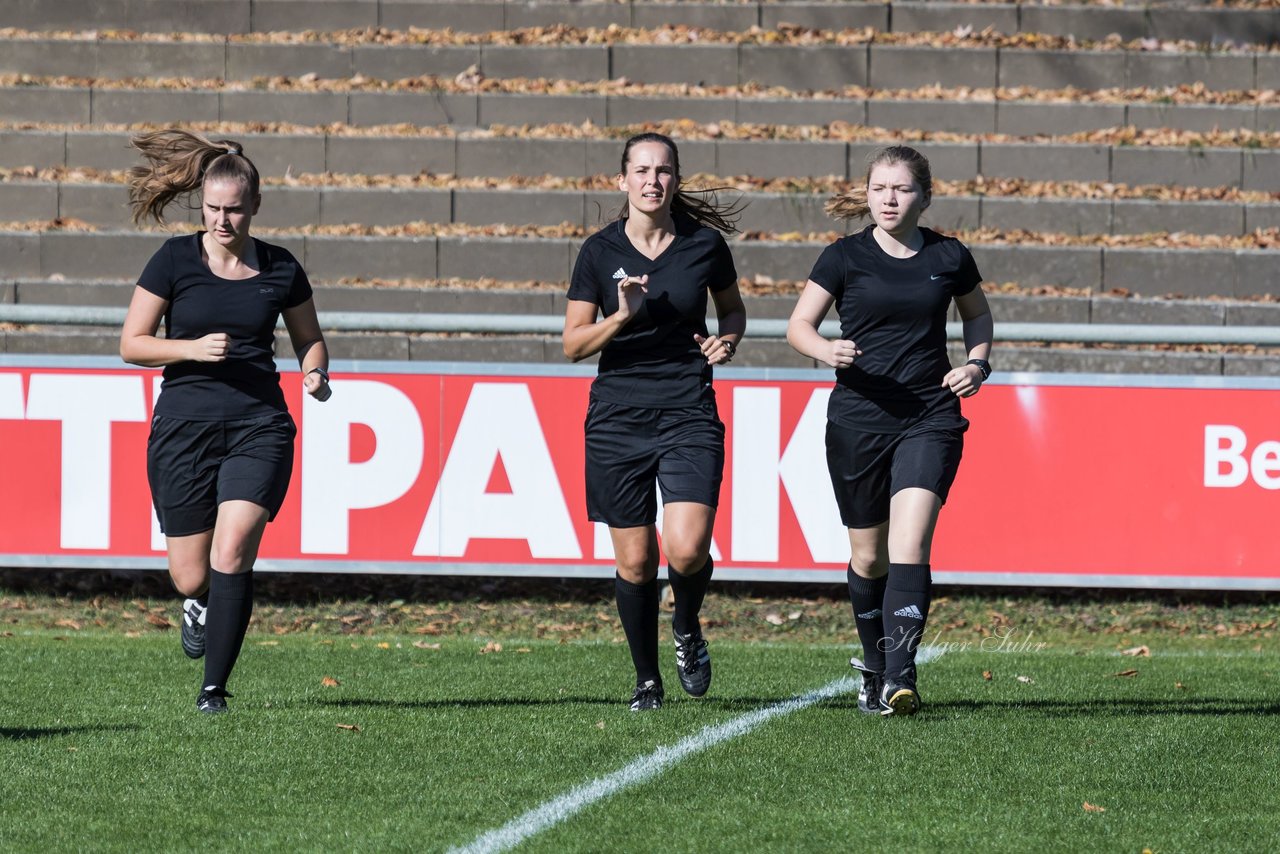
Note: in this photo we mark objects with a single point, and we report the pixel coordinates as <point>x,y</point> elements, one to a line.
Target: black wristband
<point>983,365</point>
<point>324,375</point>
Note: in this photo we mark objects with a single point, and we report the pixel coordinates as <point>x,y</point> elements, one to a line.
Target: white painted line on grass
<point>559,809</point>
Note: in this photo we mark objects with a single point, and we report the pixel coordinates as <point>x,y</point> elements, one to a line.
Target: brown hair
<point>701,206</point>
<point>852,204</point>
<point>177,164</point>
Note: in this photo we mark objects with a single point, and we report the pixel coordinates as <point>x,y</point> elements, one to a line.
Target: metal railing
<point>522,324</point>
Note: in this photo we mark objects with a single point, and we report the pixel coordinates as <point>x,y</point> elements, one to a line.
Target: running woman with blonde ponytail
<point>220,454</point>
<point>894,427</point>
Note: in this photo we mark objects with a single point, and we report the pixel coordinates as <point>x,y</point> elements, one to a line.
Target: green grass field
<point>421,748</point>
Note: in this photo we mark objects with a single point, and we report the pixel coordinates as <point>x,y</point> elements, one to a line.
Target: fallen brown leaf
<point>349,727</point>
<point>1138,651</point>
<point>158,621</point>
<point>1088,807</point>
<point>330,682</point>
<point>1130,672</point>
<point>1179,686</point>
<point>491,646</point>
<point>68,624</point>
<point>425,645</point>
<point>988,675</point>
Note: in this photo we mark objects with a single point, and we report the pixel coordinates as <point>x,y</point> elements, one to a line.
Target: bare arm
<point>584,336</point>
<point>140,346</point>
<point>308,345</point>
<point>802,329</point>
<point>979,330</point>
<point>731,318</point>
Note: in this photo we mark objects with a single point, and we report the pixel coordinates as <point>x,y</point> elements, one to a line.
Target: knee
<point>189,582</point>
<point>637,565</point>
<point>684,559</point>
<point>230,557</point>
<point>867,563</point>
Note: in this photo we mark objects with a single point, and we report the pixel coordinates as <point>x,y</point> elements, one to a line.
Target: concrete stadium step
<point>1236,23</point>
<point>1143,270</point>
<point>758,352</point>
<point>1046,112</point>
<point>788,63</point>
<point>106,205</point>
<point>526,152</point>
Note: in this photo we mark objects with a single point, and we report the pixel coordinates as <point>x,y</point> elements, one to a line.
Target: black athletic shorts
<point>629,449</point>
<point>194,466</point>
<point>867,469</point>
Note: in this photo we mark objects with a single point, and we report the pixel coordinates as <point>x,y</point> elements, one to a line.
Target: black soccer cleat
<point>869,690</point>
<point>212,700</point>
<point>648,697</point>
<point>899,698</point>
<point>693,663</point>
<point>193,617</point>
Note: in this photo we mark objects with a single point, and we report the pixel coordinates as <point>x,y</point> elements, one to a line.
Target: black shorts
<point>629,449</point>
<point>193,466</point>
<point>867,469</point>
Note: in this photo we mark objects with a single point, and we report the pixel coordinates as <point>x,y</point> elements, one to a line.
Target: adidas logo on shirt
<point>870,615</point>
<point>620,273</point>
<point>911,611</point>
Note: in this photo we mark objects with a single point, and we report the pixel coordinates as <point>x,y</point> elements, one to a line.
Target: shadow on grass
<point>724,704</point>
<point>1213,706</point>
<point>30,733</point>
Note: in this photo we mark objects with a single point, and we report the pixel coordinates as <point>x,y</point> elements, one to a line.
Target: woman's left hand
<point>316,383</point>
<point>963,381</point>
<point>717,350</point>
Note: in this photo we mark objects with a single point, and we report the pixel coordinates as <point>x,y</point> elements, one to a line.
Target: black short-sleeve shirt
<point>654,361</point>
<point>895,310</point>
<point>246,384</point>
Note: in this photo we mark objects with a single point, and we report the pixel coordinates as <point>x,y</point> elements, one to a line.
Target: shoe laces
<point>688,649</point>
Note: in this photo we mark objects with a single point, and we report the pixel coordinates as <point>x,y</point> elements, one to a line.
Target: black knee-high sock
<point>867,597</point>
<point>230,604</point>
<point>638,610</point>
<point>906,607</point>
<point>688,592</point>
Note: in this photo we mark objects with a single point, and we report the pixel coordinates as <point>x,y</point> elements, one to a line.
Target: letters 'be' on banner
<point>1069,480</point>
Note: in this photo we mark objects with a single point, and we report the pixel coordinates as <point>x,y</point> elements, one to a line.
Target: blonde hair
<point>852,204</point>
<point>178,163</point>
<point>702,206</point>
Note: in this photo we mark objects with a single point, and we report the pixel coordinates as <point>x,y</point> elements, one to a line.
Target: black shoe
<point>899,698</point>
<point>193,616</point>
<point>869,690</point>
<point>693,663</point>
<point>648,697</point>
<point>212,701</point>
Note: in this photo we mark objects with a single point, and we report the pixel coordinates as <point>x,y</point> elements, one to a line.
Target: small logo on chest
<point>267,291</point>
<point>620,273</point>
<point>934,278</point>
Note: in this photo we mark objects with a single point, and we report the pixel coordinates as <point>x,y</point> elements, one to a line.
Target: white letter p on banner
<point>332,485</point>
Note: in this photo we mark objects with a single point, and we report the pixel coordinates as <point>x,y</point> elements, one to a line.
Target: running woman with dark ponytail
<point>894,428</point>
<point>638,298</point>
<point>220,454</point>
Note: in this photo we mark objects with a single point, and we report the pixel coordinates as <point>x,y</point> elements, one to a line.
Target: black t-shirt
<point>246,384</point>
<point>654,361</point>
<point>895,310</point>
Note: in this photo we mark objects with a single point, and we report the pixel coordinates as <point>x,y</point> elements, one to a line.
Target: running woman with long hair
<point>638,298</point>
<point>895,431</point>
<point>220,454</point>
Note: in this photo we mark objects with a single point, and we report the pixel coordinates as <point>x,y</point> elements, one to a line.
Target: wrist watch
<point>983,365</point>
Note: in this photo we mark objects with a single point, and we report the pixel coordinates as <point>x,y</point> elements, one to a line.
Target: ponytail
<point>177,164</point>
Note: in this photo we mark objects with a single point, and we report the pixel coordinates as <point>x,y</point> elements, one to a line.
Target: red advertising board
<point>477,469</point>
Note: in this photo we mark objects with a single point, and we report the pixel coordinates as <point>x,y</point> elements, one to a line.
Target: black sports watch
<point>983,365</point>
